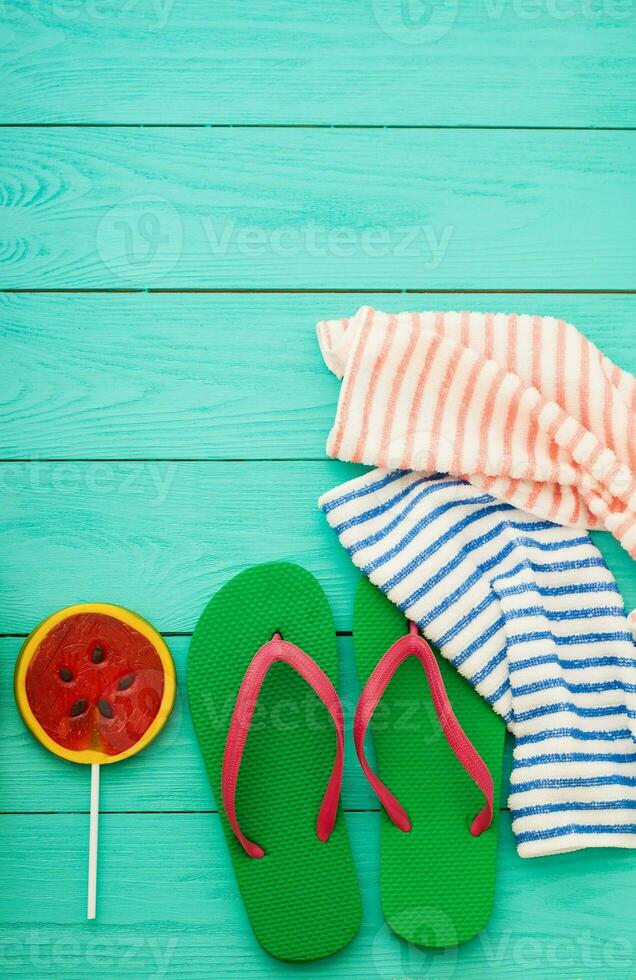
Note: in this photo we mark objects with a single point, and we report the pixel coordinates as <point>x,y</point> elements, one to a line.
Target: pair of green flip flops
<point>302,897</point>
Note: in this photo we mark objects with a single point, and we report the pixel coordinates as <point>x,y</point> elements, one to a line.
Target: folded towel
<point>524,407</point>
<point>531,615</point>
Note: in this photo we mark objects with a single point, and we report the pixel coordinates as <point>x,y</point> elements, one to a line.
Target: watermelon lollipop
<point>94,683</point>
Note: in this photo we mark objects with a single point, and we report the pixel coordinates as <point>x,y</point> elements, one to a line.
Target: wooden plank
<point>148,376</point>
<point>167,776</point>
<point>359,209</point>
<point>162,537</point>
<point>166,61</point>
<point>169,906</point>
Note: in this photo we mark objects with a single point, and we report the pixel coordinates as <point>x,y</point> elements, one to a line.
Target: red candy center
<point>95,683</point>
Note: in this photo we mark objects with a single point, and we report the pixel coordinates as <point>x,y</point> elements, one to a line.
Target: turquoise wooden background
<point>185,188</point>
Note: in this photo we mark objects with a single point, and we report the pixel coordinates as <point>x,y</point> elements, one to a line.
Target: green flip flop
<point>437,879</point>
<point>269,769</point>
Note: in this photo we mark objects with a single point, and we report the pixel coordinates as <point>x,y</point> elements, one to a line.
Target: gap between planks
<point>357,126</point>
<point>283,291</point>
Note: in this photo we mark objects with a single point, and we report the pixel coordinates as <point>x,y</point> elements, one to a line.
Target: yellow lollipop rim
<point>30,646</point>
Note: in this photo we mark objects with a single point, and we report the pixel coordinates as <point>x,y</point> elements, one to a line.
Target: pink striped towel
<point>524,407</point>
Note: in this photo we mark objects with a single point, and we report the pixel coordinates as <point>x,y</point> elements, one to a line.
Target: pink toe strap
<point>414,645</point>
<point>275,650</point>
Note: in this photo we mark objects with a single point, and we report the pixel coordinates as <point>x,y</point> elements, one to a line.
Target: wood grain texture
<point>213,378</point>
<point>192,376</point>
<point>494,63</point>
<point>304,208</point>
<point>161,538</point>
<point>168,906</point>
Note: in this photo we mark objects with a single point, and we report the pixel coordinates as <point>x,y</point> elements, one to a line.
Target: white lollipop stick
<point>92,842</point>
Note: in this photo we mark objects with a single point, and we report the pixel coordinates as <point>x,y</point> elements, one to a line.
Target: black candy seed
<point>125,682</point>
<point>78,707</point>
<point>97,655</point>
<point>66,674</point>
<point>104,708</point>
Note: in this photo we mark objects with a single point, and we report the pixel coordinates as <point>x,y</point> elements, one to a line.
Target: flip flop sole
<point>437,881</point>
<point>302,898</point>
